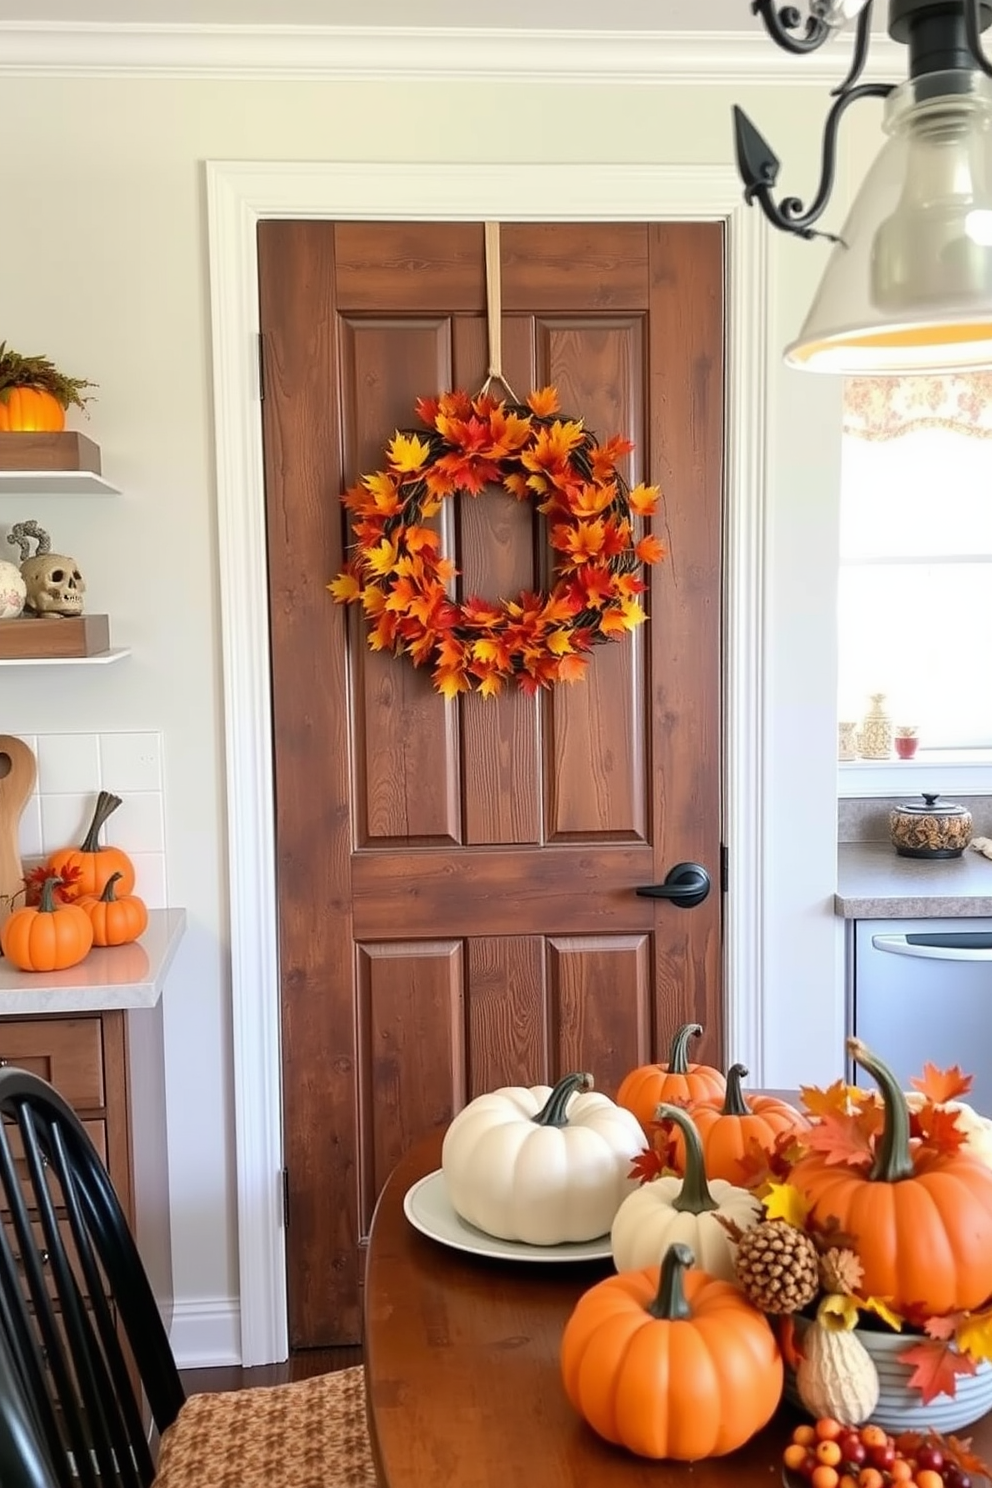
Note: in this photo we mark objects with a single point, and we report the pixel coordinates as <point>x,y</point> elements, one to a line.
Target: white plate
<point>428,1208</point>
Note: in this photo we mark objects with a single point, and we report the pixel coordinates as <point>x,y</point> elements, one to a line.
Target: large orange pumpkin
<point>671,1363</point>
<point>30,410</point>
<point>46,937</point>
<point>922,1222</point>
<point>727,1128</point>
<point>676,1083</point>
<point>95,863</point>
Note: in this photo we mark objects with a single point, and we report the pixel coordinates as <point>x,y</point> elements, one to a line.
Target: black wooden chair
<point>87,1348</point>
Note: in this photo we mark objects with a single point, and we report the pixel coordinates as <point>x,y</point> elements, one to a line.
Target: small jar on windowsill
<point>905,740</point>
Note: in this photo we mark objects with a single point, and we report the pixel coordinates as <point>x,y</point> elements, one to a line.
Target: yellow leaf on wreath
<point>490,685</point>
<point>643,500</point>
<point>382,557</point>
<point>560,643</point>
<point>407,452</point>
<point>345,588</point>
<point>784,1201</point>
<point>450,683</point>
<point>974,1335</point>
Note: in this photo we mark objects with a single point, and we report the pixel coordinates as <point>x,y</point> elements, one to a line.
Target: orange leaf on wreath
<point>572,668</point>
<point>644,500</point>
<point>942,1085</point>
<point>544,402</point>
<point>936,1366</point>
<point>651,549</point>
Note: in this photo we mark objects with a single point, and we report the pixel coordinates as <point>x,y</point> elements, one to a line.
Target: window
<point>915,590</point>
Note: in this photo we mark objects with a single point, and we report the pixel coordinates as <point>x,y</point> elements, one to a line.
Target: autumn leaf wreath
<point>401,579</point>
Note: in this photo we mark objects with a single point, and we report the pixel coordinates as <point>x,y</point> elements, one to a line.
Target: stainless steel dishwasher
<point>921,991</point>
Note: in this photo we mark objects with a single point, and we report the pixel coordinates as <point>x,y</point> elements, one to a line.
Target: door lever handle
<point>686,885</point>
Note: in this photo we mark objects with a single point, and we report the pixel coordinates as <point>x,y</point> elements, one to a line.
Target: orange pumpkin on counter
<point>115,921</point>
<point>676,1083</point>
<point>48,936</point>
<point>95,863</point>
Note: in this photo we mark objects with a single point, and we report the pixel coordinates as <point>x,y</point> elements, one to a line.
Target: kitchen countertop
<point>126,976</point>
<point>874,883</point>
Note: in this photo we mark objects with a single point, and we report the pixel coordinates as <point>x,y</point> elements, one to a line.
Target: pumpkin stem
<point>109,896</point>
<point>106,804</point>
<point>893,1160</point>
<point>694,1196</point>
<point>678,1054</point>
<point>552,1112</point>
<point>670,1303</point>
<point>734,1103</point>
<point>46,904</point>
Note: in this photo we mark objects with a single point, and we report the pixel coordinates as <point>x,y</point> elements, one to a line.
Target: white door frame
<point>239,195</point>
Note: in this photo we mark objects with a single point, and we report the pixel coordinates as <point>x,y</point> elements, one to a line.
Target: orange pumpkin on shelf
<point>95,863</point>
<point>676,1083</point>
<point>671,1363</point>
<point>48,936</point>
<point>116,921</point>
<point>34,394</point>
<point>727,1128</point>
<point>921,1220</point>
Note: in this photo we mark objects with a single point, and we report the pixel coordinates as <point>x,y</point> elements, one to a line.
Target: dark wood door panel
<point>456,879</point>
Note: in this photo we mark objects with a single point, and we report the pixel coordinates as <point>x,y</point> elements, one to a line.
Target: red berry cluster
<point>831,1455</point>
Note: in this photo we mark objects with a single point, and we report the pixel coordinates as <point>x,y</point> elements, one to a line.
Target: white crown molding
<point>629,57</point>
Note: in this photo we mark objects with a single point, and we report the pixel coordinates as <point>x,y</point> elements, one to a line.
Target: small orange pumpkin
<point>676,1083</point>
<point>671,1363</point>
<point>95,863</point>
<point>115,921</point>
<point>922,1222</point>
<point>30,410</point>
<point>727,1128</point>
<point>46,937</point>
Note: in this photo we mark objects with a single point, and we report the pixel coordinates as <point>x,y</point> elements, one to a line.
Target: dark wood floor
<point>301,1365</point>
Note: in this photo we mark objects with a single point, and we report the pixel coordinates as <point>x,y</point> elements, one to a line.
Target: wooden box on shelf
<point>64,451</point>
<point>55,635</point>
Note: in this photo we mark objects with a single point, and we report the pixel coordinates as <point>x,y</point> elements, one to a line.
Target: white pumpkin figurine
<point>543,1166</point>
<point>683,1210</point>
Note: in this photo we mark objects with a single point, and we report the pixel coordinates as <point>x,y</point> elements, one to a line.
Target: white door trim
<point>239,195</point>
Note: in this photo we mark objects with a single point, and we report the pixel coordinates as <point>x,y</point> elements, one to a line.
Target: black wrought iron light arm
<point>783,21</point>
<point>758,166</point>
<point>973,33</point>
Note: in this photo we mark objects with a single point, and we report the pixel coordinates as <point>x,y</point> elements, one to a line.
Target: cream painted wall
<point>104,269</point>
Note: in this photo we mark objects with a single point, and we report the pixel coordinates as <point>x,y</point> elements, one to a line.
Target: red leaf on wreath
<point>942,1085</point>
<point>935,1368</point>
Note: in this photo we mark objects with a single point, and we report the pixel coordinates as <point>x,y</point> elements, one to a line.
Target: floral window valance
<point>885,407</point>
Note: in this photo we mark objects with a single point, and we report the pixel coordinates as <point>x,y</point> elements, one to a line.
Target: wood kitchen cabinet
<point>109,1067</point>
<point>103,1050</point>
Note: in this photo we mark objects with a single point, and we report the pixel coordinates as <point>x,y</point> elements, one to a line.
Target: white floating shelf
<point>99,658</point>
<point>55,483</point>
<point>109,977</point>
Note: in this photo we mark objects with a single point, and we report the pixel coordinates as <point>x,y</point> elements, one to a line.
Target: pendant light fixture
<point>908,284</point>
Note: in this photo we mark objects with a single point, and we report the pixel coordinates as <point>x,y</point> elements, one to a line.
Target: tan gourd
<point>836,1376</point>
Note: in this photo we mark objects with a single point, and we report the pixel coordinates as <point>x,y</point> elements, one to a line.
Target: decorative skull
<point>12,591</point>
<point>54,584</point>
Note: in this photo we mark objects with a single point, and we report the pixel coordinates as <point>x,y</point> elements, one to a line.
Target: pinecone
<point>777,1266</point>
<point>840,1271</point>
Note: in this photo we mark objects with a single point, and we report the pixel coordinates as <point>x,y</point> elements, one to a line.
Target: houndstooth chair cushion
<point>310,1434</point>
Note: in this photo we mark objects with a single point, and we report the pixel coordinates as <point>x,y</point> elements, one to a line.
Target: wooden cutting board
<point>18,773</point>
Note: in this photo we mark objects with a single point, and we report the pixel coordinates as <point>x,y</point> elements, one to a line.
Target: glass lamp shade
<point>909,286</point>
<point>837,12</point>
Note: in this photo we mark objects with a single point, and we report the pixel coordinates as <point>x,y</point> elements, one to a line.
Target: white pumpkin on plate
<point>539,1165</point>
<point>683,1210</point>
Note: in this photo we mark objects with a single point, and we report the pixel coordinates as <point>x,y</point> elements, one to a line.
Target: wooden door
<point>456,880</point>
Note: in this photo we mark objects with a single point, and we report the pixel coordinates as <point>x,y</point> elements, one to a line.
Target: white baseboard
<point>206,1333</point>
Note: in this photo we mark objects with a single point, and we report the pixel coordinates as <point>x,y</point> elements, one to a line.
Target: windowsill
<point>948,772</point>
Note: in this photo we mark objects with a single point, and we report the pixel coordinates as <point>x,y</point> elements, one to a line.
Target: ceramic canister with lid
<point>930,828</point>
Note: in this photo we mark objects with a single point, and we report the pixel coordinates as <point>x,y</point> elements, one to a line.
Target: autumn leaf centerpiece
<point>888,1201</point>
<point>406,586</point>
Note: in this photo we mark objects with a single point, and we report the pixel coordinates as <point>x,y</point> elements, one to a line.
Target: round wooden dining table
<point>463,1382</point>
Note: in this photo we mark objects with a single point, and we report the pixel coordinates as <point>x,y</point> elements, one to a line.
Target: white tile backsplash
<point>72,770</point>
